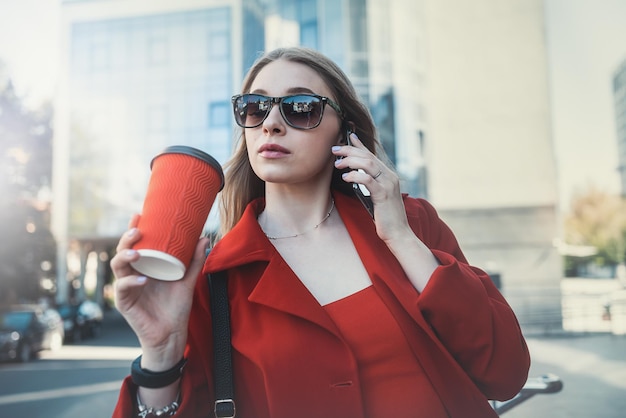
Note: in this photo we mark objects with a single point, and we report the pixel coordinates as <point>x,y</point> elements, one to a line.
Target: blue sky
<point>586,42</point>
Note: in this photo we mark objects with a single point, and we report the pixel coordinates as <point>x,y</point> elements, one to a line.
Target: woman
<point>334,313</point>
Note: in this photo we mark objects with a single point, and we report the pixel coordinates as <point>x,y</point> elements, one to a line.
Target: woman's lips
<point>273,151</point>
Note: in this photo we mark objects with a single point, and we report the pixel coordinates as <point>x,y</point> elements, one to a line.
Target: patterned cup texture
<point>183,186</point>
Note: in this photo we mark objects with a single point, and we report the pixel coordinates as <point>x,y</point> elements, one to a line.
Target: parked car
<point>27,329</point>
<point>82,320</point>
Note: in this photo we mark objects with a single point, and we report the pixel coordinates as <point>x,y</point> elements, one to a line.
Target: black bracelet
<point>154,380</point>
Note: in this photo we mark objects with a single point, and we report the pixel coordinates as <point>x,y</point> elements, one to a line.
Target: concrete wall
<point>516,243</point>
<point>490,154</point>
<point>489,109</point>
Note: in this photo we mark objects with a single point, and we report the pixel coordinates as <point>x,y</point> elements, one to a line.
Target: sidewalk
<point>592,367</point>
<point>593,370</point>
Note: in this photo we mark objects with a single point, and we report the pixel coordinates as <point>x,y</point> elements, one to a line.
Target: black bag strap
<point>222,356</point>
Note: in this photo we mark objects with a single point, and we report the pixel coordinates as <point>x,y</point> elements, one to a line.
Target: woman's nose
<point>274,121</point>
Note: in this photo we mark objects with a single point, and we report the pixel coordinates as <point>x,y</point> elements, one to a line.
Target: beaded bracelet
<point>150,412</point>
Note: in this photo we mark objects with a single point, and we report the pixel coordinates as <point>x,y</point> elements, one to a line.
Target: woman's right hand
<point>157,311</point>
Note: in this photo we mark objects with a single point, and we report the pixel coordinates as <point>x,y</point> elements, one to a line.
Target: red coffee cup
<point>182,188</point>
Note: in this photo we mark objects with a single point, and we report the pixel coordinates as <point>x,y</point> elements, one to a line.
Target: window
<point>157,118</point>
<point>99,56</point>
<point>218,45</point>
<point>157,51</point>
<point>219,114</point>
<point>308,34</point>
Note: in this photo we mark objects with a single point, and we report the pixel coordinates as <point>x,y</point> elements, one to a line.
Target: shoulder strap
<point>222,356</point>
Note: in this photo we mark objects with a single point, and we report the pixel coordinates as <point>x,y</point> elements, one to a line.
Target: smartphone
<point>360,190</point>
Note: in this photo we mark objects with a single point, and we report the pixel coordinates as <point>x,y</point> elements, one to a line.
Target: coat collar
<point>246,245</point>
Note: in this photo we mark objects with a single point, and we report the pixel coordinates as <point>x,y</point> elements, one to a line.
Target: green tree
<point>28,249</point>
<point>597,219</point>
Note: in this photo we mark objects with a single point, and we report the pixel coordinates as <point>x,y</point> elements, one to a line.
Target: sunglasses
<point>300,111</point>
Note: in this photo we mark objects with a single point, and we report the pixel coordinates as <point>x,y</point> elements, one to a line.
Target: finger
<point>125,284</point>
<point>357,150</point>
<point>354,148</point>
<point>360,177</point>
<point>134,221</point>
<point>356,142</point>
<point>120,263</point>
<point>127,290</point>
<point>366,165</point>
<point>129,238</point>
<point>131,235</point>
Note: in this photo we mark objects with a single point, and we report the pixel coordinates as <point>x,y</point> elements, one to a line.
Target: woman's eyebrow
<point>291,90</point>
<point>300,90</point>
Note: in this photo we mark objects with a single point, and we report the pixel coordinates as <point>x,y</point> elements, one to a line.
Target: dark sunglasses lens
<point>302,111</point>
<point>251,109</point>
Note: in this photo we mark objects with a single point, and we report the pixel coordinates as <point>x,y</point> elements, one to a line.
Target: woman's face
<point>280,153</point>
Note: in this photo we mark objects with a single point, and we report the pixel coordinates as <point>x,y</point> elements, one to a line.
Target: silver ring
<point>377,175</point>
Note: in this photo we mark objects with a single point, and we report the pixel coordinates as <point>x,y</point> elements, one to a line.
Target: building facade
<point>138,76</point>
<point>369,39</point>
<point>458,92</point>
<point>492,166</point>
<point>619,96</point>
<point>141,75</point>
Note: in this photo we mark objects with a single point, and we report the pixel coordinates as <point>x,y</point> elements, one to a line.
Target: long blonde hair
<point>242,185</point>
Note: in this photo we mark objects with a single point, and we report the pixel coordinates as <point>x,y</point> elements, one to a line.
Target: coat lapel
<point>277,287</point>
<point>386,273</point>
<point>393,286</point>
<point>378,260</point>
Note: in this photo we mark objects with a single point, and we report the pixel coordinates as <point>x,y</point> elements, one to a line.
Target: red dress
<point>392,381</point>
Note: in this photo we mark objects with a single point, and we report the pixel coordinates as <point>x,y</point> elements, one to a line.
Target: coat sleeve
<point>196,391</point>
<point>467,312</point>
<point>190,393</point>
<point>126,406</point>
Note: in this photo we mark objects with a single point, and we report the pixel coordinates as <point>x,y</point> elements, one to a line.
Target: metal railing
<point>545,384</point>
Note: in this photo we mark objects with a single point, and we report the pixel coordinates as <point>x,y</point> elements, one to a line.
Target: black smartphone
<point>360,190</point>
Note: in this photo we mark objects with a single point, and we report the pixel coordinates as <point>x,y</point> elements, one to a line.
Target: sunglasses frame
<point>279,100</point>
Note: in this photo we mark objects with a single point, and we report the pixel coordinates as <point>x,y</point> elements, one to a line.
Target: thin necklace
<point>332,206</point>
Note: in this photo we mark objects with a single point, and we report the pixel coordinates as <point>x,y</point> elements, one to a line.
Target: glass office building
<point>138,76</point>
<point>136,85</point>
<point>140,82</point>
<point>142,75</point>
<point>380,45</point>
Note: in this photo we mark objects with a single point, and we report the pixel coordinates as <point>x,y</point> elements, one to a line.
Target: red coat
<point>289,358</point>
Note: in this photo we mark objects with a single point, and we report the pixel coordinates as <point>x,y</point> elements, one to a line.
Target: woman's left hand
<point>382,183</point>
